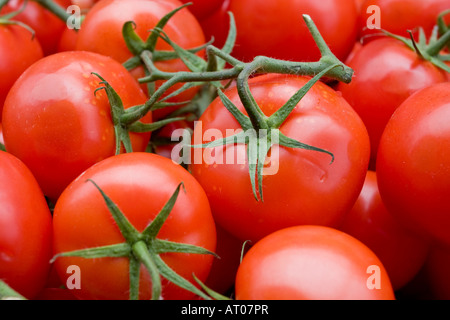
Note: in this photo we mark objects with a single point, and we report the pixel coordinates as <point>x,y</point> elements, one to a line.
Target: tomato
<point>68,40</point>
<point>203,8</point>
<point>47,26</point>
<point>386,72</point>
<point>299,186</point>
<point>55,124</point>
<point>102,33</point>
<point>311,263</point>
<point>217,24</point>
<point>140,184</point>
<point>223,270</point>
<point>19,51</point>
<point>403,254</point>
<point>25,229</point>
<point>413,166</point>
<point>399,16</point>
<point>276,28</point>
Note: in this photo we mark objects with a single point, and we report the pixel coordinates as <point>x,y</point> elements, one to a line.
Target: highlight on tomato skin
<point>311,263</point>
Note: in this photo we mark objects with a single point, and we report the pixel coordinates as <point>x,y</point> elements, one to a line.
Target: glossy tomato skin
<point>277,29</point>
<point>302,184</point>
<point>413,163</point>
<point>25,229</point>
<point>402,253</point>
<point>59,128</point>
<point>140,184</point>
<point>399,16</point>
<point>386,72</point>
<point>19,51</point>
<point>311,263</point>
<point>46,25</point>
<point>102,33</point>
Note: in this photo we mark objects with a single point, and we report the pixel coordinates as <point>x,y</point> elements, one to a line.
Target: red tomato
<point>102,33</point>
<point>25,229</point>
<point>311,263</point>
<point>203,8</point>
<point>217,24</point>
<point>18,51</point>
<point>302,184</point>
<point>139,184</point>
<point>223,271</point>
<point>413,164</point>
<point>386,73</point>
<point>54,123</point>
<point>399,16</point>
<point>276,28</point>
<point>48,27</point>
<point>402,253</point>
<point>68,40</point>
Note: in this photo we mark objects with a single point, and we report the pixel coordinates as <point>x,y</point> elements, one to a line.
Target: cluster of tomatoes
<point>83,217</point>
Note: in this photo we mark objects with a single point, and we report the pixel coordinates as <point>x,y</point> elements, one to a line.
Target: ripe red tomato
<point>399,16</point>
<point>402,253</point>
<point>203,8</point>
<point>386,72</point>
<point>102,33</point>
<point>25,229</point>
<point>18,51</point>
<point>217,24</point>
<point>276,28</point>
<point>413,164</point>
<point>311,263</point>
<point>47,26</point>
<point>139,184</point>
<point>55,124</point>
<point>303,183</point>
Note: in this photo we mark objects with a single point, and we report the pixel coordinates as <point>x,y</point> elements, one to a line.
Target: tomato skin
<point>413,163</point>
<point>399,16</point>
<point>386,72</point>
<point>102,33</point>
<point>55,124</point>
<point>403,254</point>
<point>217,24</point>
<point>25,229</point>
<point>290,39</point>
<point>47,26</point>
<point>203,8</point>
<point>296,193</point>
<point>140,184</point>
<point>19,51</point>
<point>223,271</point>
<point>310,263</point>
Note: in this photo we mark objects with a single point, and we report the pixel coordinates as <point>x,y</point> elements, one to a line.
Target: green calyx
<point>8,293</point>
<point>7,19</point>
<point>122,129</point>
<point>143,248</point>
<point>429,49</point>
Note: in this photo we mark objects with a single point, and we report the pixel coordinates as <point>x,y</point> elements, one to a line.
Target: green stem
<point>141,251</point>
